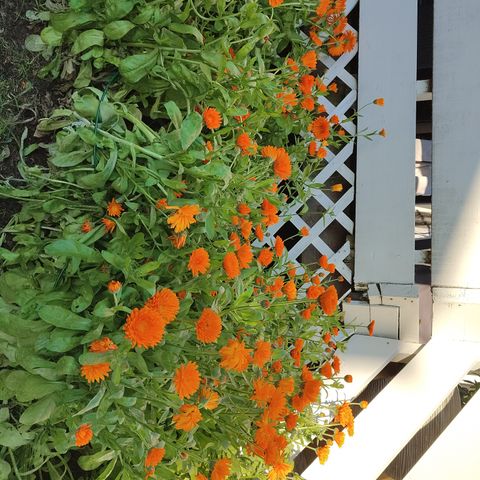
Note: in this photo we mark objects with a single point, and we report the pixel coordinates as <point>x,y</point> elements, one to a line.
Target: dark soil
<point>24,98</point>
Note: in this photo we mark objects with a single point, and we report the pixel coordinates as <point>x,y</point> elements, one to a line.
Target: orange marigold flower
<point>235,220</point>
<point>154,457</point>
<point>348,378</point>
<point>309,60</point>
<point>292,64</point>
<point>166,303</point>
<point>183,217</point>
<point>265,256</point>
<point>212,399</point>
<point>344,415</point>
<point>243,209</point>
<point>109,225</point>
<point>282,166</point>
<point>263,392</point>
<point>337,187</point>
<point>114,286</point>
<point>187,380</point>
<point>308,103</point>
<point>235,356</point>
<point>316,280</point>
<point>322,454</point>
<point>349,40</point>
<point>320,128</point>
<point>275,3</point>
<point>296,352</point>
<point>199,261</point>
<point>96,372</point>
<point>289,100</point>
<point>339,437</point>
<point>244,141</point>
<point>286,385</point>
<point>336,364</point>
<point>208,326</point>
<point>280,470</point>
<point>221,469</point>
<point>259,232</point>
<point>363,404</point>
<point>334,119</point>
<point>279,246</point>
<point>323,261</point>
<point>245,228</point>
<point>188,417</point>
<point>335,331</point>
<point>379,101</point>
<point>263,353</point>
<point>341,25</point>
<point>212,118</point>
<point>269,151</point>
<point>114,209</point>
<point>245,256</point>
<point>235,240</point>
<point>231,265</point>
<point>200,476</point>
<point>371,327</point>
<point>290,290</point>
<point>102,345</point>
<point>323,6</point>
<point>178,241</point>
<point>270,212</point>
<point>336,48</point>
<point>162,204</point>
<point>382,133</point>
<point>277,366</point>
<point>304,231</point>
<point>329,300</point>
<point>333,87</point>
<point>306,84</point>
<point>144,327</point>
<point>314,291</point>
<point>83,435</point>
<point>86,226</point>
<point>291,421</point>
<point>307,375</point>
<point>292,271</point>
<point>315,38</point>
<point>209,145</point>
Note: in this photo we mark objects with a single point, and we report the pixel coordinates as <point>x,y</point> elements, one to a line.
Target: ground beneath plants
<point>24,98</point>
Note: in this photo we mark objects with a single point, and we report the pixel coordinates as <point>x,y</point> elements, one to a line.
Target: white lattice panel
<point>328,233</point>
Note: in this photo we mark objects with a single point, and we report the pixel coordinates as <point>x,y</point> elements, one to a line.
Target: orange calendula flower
<point>243,209</point>
<point>292,64</point>
<point>212,399</point>
<point>379,101</point>
<point>265,257</point>
<point>286,385</point>
<point>200,476</point>
<point>349,40</point>
<point>277,366</point>
<point>371,327</point>
<point>245,228</point>
<point>114,209</point>
<point>336,47</point>
<point>231,265</point>
<point>363,404</point>
<point>221,469</point>
<point>154,457</point>
<point>212,118</point>
<point>333,87</point>
<point>308,103</point>
<point>199,262</point>
<point>83,435</point>
<point>297,350</point>
<point>109,225</point>
<point>244,256</point>
<point>320,128</point>
<point>114,286</point>
<point>187,380</point>
<point>102,345</point>
<point>162,204</point>
<point>235,356</point>
<point>246,145</point>
<point>291,421</point>
<point>188,418</point>
<point>289,100</point>
<point>304,231</point>
<point>290,290</point>
<point>382,133</point>
<point>269,151</point>
<point>86,226</point>
<point>348,378</point>
<point>279,246</point>
<point>166,303</point>
<point>262,354</point>
<point>314,291</point>
<point>183,217</point>
<point>322,454</point>
<point>338,187</point>
<point>263,392</point>
<point>270,213</point>
<point>280,471</point>
<point>326,370</point>
<point>96,372</point>
<point>282,166</point>
<point>208,326</point>
<point>178,241</point>
<point>259,232</point>
<point>336,364</point>
<point>275,3</point>
<point>144,327</point>
<point>309,60</point>
<point>315,38</point>
<point>306,84</point>
<point>235,240</point>
<point>329,300</point>
<point>323,6</point>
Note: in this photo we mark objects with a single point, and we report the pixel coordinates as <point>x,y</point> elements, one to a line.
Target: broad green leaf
<point>63,318</point>
<point>51,37</point>
<point>94,402</point>
<point>118,29</point>
<point>67,366</point>
<point>70,159</point>
<point>136,67</point>
<point>174,113</point>
<point>34,43</point>
<point>71,248</point>
<point>91,462</point>
<point>62,22</point>
<point>28,387</point>
<point>116,9</point>
<point>105,473</point>
<point>210,226</point>
<point>84,76</point>
<point>190,129</point>
<point>39,411</point>
<point>61,340</point>
<point>5,470</point>
<point>188,29</point>
<point>10,437</point>
<point>8,255</point>
<point>87,39</point>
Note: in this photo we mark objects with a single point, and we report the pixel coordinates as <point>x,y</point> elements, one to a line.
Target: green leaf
<point>28,387</point>
<point>174,113</point>
<point>190,129</point>
<point>94,402</point>
<point>210,226</point>
<point>70,159</point>
<point>136,67</point>
<point>105,473</point>
<point>8,255</point>
<point>118,29</point>
<point>91,462</point>
<point>5,470</point>
<point>39,411</point>
<point>62,22</point>
<point>51,37</point>
<point>84,76</point>
<point>34,43</point>
<point>116,9</point>
<point>87,39</point>
<point>61,340</point>
<point>10,437</point>
<point>63,318</point>
<point>73,249</point>
<point>188,29</point>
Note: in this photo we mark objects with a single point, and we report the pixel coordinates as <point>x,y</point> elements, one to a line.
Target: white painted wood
<point>384,230</point>
<point>456,156</point>
<point>380,430</point>
<point>454,455</point>
<point>387,319</point>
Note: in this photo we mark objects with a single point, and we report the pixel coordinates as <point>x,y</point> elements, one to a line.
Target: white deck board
<point>380,430</point>
<point>385,171</point>
<point>455,452</point>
